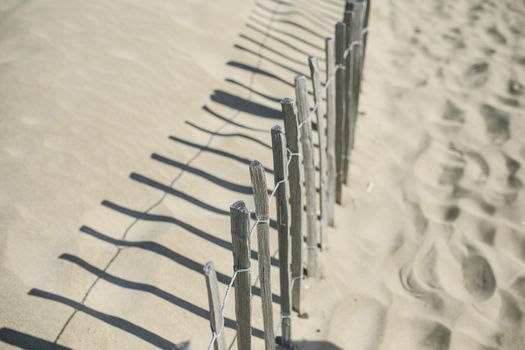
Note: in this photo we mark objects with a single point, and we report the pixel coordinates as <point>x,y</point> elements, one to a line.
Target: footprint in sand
<point>496,36</point>
<point>413,332</point>
<point>476,75</point>
<point>478,277</point>
<point>502,187</point>
<point>515,87</point>
<point>440,166</point>
<point>496,123</point>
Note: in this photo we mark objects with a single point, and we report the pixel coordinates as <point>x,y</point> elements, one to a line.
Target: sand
<point>126,129</point>
<point>436,258</point>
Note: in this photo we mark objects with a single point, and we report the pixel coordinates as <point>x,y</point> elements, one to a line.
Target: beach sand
<point>126,132</point>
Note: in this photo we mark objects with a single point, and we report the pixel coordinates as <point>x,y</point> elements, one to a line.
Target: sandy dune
<point>127,127</point>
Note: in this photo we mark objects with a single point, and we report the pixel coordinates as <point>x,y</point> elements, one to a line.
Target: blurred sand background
<point>126,128</point>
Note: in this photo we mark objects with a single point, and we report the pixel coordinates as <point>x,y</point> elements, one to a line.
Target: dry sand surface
<point>126,128</point>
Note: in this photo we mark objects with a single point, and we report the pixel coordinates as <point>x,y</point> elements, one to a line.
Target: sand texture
<point>127,127</point>
<point>438,233</point>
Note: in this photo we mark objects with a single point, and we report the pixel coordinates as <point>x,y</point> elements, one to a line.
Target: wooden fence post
<point>296,198</point>
<point>330,130</point>
<point>303,112</point>
<point>262,212</point>
<point>280,175</point>
<point>348,94</point>
<point>367,17</point>
<point>321,132</point>
<point>340,41</point>
<point>216,319</point>
<point>357,64</point>
<point>348,5</point>
<point>240,230</point>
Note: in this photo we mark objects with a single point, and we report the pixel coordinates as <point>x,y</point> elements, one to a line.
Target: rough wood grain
<point>296,199</point>
<point>240,231</point>
<point>330,131</point>
<point>262,211</point>
<point>280,173</point>
<point>365,25</point>
<point>357,66</point>
<point>303,113</point>
<point>340,42</point>
<point>348,94</point>
<point>313,63</point>
<point>216,319</point>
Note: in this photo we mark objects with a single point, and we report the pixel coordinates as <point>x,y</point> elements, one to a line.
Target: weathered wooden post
<point>303,112</point>
<point>240,230</point>
<point>365,26</point>
<point>340,42</point>
<point>262,212</point>
<point>357,64</point>
<point>348,6</point>
<point>348,94</point>
<point>321,132</point>
<point>296,199</point>
<point>280,172</point>
<point>330,130</point>
<point>216,319</point>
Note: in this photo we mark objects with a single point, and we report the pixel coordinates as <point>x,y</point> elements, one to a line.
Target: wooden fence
<point>295,181</point>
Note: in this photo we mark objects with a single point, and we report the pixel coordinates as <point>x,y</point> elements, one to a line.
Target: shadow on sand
<point>280,67</point>
<point>312,345</point>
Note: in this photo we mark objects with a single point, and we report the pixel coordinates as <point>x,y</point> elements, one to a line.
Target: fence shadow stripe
<point>165,252</point>
<point>203,174</point>
<point>117,322</point>
<point>219,152</point>
<point>267,59</point>
<point>272,50</point>
<point>168,219</point>
<point>226,120</point>
<point>259,71</point>
<point>26,341</point>
<point>252,90</point>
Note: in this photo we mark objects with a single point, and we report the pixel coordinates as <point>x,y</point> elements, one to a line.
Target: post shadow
<point>167,253</point>
<point>290,23</point>
<point>330,5</point>
<point>26,341</point>
<point>252,90</point>
<point>150,289</point>
<point>270,60</point>
<point>216,151</point>
<point>170,190</point>
<point>117,322</point>
<point>139,215</point>
<point>272,50</point>
<point>310,345</point>
<point>285,33</point>
<point>279,40</point>
<point>259,71</point>
<point>244,105</point>
<point>306,17</point>
<point>167,219</point>
<point>229,121</point>
<point>284,3</point>
<point>263,72</point>
<point>230,134</point>
<point>319,13</point>
<point>203,174</point>
<point>179,194</point>
<point>156,248</point>
<point>324,14</point>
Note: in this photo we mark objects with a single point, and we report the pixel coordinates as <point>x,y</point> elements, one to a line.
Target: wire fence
<point>351,59</point>
<point>215,335</point>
